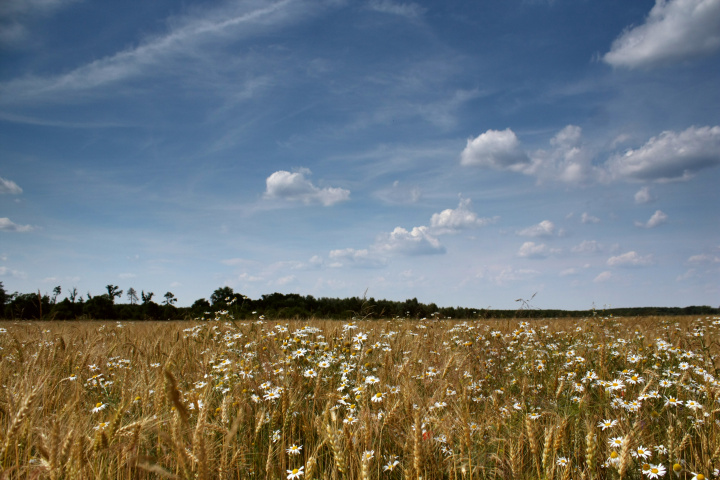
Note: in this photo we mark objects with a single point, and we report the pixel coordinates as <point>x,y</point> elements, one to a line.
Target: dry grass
<point>381,399</point>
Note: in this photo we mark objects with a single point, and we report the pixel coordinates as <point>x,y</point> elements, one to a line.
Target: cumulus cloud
<point>418,241</point>
<point>295,187</point>
<point>669,156</point>
<point>603,277</point>
<point>8,226</point>
<point>587,218</point>
<point>451,220</point>
<point>567,161</point>
<point>658,218</point>
<point>546,228</point>
<point>643,196</point>
<point>9,187</point>
<point>674,31</point>
<point>495,149</point>
<point>587,246</point>
<point>532,250</point>
<point>630,259</point>
<point>704,258</point>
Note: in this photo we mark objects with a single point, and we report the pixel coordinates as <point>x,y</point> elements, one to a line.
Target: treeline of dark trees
<point>30,306</point>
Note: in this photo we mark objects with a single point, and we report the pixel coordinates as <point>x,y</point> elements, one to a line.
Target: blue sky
<point>462,152</point>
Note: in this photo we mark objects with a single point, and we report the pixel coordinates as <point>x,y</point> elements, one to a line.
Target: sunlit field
<point>536,399</point>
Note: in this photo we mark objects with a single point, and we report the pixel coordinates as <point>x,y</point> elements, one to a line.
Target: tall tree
<point>147,297</point>
<point>73,294</point>
<point>3,296</point>
<point>56,293</point>
<point>169,298</point>
<point>113,291</point>
<point>132,296</point>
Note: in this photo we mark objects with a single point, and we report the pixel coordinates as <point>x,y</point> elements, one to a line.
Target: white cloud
<point>452,220</point>
<point>691,273</point>
<point>7,272</point>
<point>532,250</point>
<point>7,225</point>
<point>603,277</point>
<point>503,275</point>
<point>674,31</point>
<point>186,36</point>
<point>418,241</point>
<point>495,149</point>
<point>359,258</point>
<point>566,162</point>
<point>236,261</point>
<point>409,10</point>
<point>643,196</point>
<point>125,276</point>
<point>399,193</point>
<point>658,218</point>
<point>546,228</point>
<point>14,13</point>
<point>295,187</point>
<point>670,156</point>
<point>704,259</point>
<point>9,7</point>
<point>587,218</point>
<point>587,246</point>
<point>9,187</point>
<point>284,280</point>
<point>630,259</point>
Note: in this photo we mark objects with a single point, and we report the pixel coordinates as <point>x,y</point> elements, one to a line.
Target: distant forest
<point>142,306</point>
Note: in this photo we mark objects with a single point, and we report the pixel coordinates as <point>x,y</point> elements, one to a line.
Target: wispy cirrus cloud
<point>185,36</point>
<point>404,9</point>
<point>14,15</point>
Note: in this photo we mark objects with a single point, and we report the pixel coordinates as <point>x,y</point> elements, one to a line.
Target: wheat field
<point>591,398</point>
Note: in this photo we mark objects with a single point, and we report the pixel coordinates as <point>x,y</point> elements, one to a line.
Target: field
<point>595,398</point>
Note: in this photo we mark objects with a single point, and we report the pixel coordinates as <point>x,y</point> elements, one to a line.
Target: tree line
<point>108,306</point>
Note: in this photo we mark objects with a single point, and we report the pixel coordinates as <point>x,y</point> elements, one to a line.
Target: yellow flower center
<point>98,405</point>
<point>614,455</point>
<point>677,467</point>
<point>295,471</point>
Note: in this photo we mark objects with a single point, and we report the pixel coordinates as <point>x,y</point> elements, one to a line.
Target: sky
<point>461,152</point>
